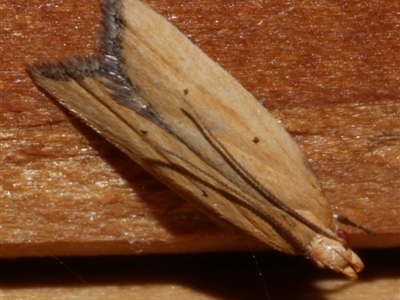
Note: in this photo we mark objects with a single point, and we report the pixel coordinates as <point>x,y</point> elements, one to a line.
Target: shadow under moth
<point>184,119</point>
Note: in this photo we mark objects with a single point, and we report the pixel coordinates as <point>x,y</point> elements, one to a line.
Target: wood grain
<point>329,71</point>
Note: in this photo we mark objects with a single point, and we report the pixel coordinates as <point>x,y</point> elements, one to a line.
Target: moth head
<point>332,254</point>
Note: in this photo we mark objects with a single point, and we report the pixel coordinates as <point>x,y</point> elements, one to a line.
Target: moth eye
<point>343,235</point>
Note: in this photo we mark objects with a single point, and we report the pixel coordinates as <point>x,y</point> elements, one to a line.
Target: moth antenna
<point>346,221</point>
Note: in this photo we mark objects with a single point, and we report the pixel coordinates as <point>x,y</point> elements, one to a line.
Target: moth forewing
<point>232,113</point>
<point>87,99</point>
<point>195,128</point>
<point>225,106</point>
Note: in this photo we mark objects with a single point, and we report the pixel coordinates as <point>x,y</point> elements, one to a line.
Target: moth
<point>189,123</point>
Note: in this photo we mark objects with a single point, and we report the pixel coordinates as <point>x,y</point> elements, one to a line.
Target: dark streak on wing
<point>112,64</point>
<point>75,68</point>
<point>109,67</point>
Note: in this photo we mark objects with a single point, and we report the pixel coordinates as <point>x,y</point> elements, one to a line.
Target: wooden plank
<point>329,72</point>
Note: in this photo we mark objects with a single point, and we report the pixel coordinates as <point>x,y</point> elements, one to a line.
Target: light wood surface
<point>329,71</point>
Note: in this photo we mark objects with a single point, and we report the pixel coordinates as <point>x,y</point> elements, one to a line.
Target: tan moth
<point>185,120</point>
